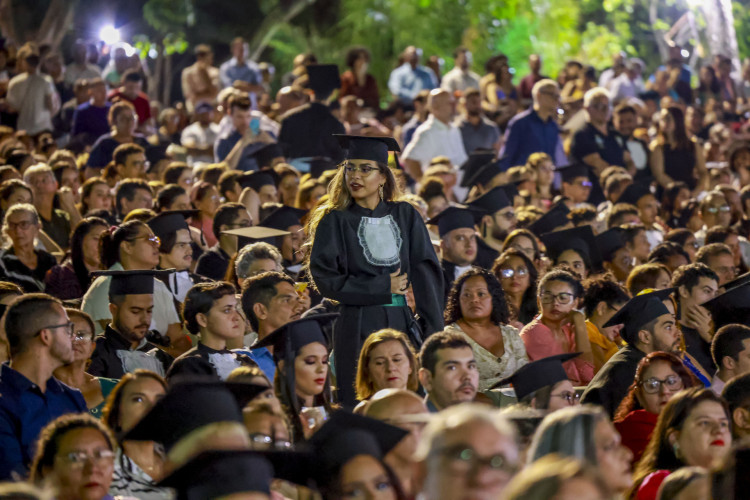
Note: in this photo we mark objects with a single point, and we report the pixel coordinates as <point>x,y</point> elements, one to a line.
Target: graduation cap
<point>633,193</point>
<point>493,200</point>
<point>171,221</point>
<point>570,172</point>
<point>256,180</point>
<point>476,160</point>
<point>265,155</point>
<point>283,218</point>
<point>639,311</point>
<point>732,306</point>
<point>135,282</point>
<point>248,235</point>
<point>557,216</point>
<point>215,473</point>
<point>367,148</point>
<point>537,374</point>
<point>740,280</point>
<point>511,190</point>
<point>581,239</point>
<point>454,218</point>
<point>189,405</point>
<point>346,435</point>
<point>482,175</point>
<point>323,79</point>
<point>610,241</point>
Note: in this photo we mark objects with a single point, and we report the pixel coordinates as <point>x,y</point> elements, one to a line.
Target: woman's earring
<point>676,450</point>
<point>380,191</point>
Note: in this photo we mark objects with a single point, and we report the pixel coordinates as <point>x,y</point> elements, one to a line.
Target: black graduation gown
<point>342,272</point>
<point>106,363</point>
<point>213,264</point>
<point>449,276</point>
<point>610,385</point>
<point>486,255</point>
<point>197,361</point>
<point>308,131</point>
<point>698,348</point>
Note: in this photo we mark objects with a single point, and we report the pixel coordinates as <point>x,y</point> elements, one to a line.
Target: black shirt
<point>201,360</point>
<point>610,385</point>
<point>308,131</point>
<point>105,361</point>
<point>213,264</point>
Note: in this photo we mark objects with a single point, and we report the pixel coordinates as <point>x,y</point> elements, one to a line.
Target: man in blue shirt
<point>237,69</point>
<point>40,339</point>
<point>410,78</point>
<point>237,146</point>
<point>535,130</point>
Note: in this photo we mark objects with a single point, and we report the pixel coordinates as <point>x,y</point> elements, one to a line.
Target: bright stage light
<point>109,35</point>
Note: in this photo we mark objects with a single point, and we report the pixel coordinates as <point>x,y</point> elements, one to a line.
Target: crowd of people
<point>460,286</point>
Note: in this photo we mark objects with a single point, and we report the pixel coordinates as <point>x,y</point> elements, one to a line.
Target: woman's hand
<point>577,318</point>
<point>399,282</point>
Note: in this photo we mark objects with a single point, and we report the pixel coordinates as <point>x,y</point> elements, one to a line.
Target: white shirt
<point>74,72</point>
<point>27,93</point>
<point>623,87</point>
<point>96,303</point>
<point>460,270</point>
<point>717,385</point>
<point>197,136</point>
<point>458,79</point>
<point>435,138</point>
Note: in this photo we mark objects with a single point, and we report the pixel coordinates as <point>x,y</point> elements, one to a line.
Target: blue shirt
<point>406,82</point>
<point>24,411</point>
<point>527,133</point>
<point>246,72</point>
<point>263,358</point>
<point>226,142</point>
<point>91,120</point>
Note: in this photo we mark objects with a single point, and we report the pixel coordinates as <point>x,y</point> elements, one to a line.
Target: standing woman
<point>675,156</point>
<point>367,248</point>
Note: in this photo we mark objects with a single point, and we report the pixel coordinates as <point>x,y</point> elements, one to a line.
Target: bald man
<point>403,409</point>
<point>437,136</point>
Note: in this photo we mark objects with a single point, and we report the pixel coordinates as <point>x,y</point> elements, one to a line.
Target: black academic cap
<point>570,172</point>
<point>165,223</point>
<point>610,241</point>
<point>265,155</point>
<point>283,218</point>
<point>346,435</point>
<point>739,280</point>
<point>367,148</point>
<point>256,180</point>
<point>287,340</point>
<point>186,407</point>
<point>493,200</point>
<point>454,218</point>
<point>511,190</point>
<point>543,372</point>
<point>557,216</point>
<point>633,193</point>
<point>580,239</point>
<point>638,311</point>
<point>136,282</point>
<point>477,160</point>
<point>481,176</point>
<point>323,79</point>
<point>732,306</point>
<point>155,154</point>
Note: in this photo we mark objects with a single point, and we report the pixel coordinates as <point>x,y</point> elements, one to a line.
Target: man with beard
<point>40,339</point>
<point>448,371</point>
<point>648,326</point>
<point>498,220</point>
<point>123,347</point>
<point>477,131</point>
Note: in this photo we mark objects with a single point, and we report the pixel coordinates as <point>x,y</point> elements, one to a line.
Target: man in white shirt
<point>460,77</point>
<point>437,136</point>
<point>32,95</point>
<point>199,137</point>
<point>80,69</point>
<point>630,83</point>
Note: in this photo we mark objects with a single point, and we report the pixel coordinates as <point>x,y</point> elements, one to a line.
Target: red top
<point>367,92</point>
<point>540,343</point>
<point>650,486</point>
<point>140,103</point>
<point>636,429</point>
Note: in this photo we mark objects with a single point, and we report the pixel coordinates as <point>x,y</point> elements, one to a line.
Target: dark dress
<point>106,362</point>
<point>679,164</point>
<point>61,282</point>
<point>308,131</point>
<point>353,254</point>
<point>610,385</point>
<point>202,360</point>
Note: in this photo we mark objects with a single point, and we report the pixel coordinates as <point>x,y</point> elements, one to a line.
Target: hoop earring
<point>380,191</point>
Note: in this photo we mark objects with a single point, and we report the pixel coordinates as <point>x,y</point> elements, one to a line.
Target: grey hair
<point>21,207</point>
<point>457,416</point>
<point>542,84</point>
<point>568,432</point>
<point>34,170</point>
<point>255,251</point>
<point>593,94</point>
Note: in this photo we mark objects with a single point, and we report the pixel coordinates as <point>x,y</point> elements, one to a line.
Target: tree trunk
<point>20,27</point>
<point>272,21</point>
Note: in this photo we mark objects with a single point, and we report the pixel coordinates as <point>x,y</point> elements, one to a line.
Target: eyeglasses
<point>586,184</point>
<point>363,169</point>
<point>69,326</point>
<point>571,397</point>
<point>563,298</point>
<point>267,441</point>
<point>23,225</point>
<point>509,273</point>
<point>715,210</point>
<point>151,239</point>
<point>463,460</point>
<point>653,384</point>
<point>82,336</point>
<point>77,459</point>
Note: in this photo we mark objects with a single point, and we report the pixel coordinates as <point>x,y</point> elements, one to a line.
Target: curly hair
<point>630,402</point>
<point>500,312</point>
<point>602,289</point>
<point>566,277</point>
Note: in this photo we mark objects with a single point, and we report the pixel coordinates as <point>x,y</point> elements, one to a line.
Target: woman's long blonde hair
<point>339,198</point>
